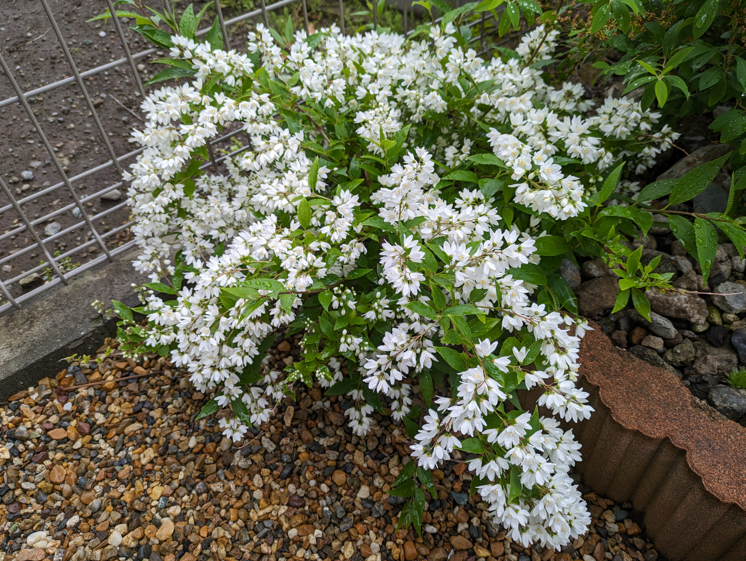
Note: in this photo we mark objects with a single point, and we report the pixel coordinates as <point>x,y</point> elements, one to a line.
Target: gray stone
<point>738,264</point>
<point>21,432</point>
<point>597,296</point>
<point>731,402</point>
<point>722,359</point>
<point>594,269</point>
<point>651,357</point>
<point>720,271</point>
<point>77,214</point>
<point>27,175</point>
<point>52,229</point>
<point>658,324</point>
<point>31,281</point>
<point>698,157</point>
<point>712,199</point>
<point>653,342</point>
<point>570,272</point>
<point>731,298</point>
<point>678,305</point>
<point>681,355</point>
<point>665,265</point>
<point>738,340</point>
<point>36,164</point>
<point>113,195</point>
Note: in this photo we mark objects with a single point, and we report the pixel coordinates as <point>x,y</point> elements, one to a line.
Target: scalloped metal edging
<point>677,460</point>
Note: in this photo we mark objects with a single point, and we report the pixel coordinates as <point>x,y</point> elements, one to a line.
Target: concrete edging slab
<point>62,322</point>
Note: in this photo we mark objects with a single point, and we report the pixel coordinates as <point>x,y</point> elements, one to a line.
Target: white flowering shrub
<point>405,204</point>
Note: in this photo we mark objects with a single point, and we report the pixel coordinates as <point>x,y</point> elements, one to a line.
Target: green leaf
<point>472,445</point>
<point>647,67</point>
<point>313,174</point>
<point>547,246</point>
<point>487,159</point>
<point>463,175</point>
<point>736,235</point>
<point>422,309</point>
<point>656,190</point>
<point>562,291</point>
<point>684,232</point>
<point>426,478</point>
<point>622,300</point>
<point>241,411</point>
<point>286,301</point>
<point>661,92</point>
<point>304,213</point>
<point>610,183</point>
<point>490,185</point>
<point>640,217</point>
<point>209,408</point>
<point>677,82</point>
<point>160,287</point>
<point>426,386</point>
<point>634,84</point>
<point>515,480</point>
<point>696,181</point>
<point>124,312</point>
<point>171,74</point>
<point>641,302</point>
<point>344,386</point>
<point>407,472</point>
<point>214,37</point>
<point>454,358</point>
<point>710,77</point>
<point>707,245</point>
<point>600,18</point>
<point>677,58</point>
<point>704,17</point>
<point>530,273</point>
<point>405,490</point>
<point>188,22</point>
<point>463,310</point>
<point>437,295</point>
<point>741,71</point>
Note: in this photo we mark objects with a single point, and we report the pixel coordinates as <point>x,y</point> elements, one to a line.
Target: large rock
<point>658,324</point>
<point>681,355</point>
<point>597,296</point>
<point>731,402</point>
<point>570,272</point>
<point>712,199</point>
<point>678,305</point>
<point>651,357</point>
<point>722,359</point>
<point>738,340</point>
<point>731,297</point>
<point>698,157</point>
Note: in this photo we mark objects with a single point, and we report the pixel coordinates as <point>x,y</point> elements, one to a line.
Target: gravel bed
<point>121,469</point>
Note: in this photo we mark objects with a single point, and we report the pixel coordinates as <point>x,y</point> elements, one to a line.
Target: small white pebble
<point>68,406</point>
<point>115,539</point>
<point>292,533</point>
<point>102,33</point>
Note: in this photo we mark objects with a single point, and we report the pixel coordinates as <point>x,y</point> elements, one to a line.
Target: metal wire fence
<point>26,235</point>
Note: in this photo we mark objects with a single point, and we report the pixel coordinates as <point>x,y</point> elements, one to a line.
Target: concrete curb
<point>35,339</point>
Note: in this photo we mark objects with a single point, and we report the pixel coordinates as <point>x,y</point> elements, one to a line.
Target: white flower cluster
<point>270,230</point>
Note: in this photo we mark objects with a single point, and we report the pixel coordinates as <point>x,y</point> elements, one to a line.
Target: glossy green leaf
<point>706,238</point>
<point>696,181</point>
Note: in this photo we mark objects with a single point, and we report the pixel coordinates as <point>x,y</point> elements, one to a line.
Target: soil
<point>31,49</point>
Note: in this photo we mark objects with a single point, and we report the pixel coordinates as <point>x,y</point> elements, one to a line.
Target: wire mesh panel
<point>70,96</point>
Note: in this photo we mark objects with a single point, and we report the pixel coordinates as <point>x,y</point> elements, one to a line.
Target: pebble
<point>113,195</point>
<point>52,228</point>
<point>730,297</point>
<point>27,175</point>
<point>175,488</point>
